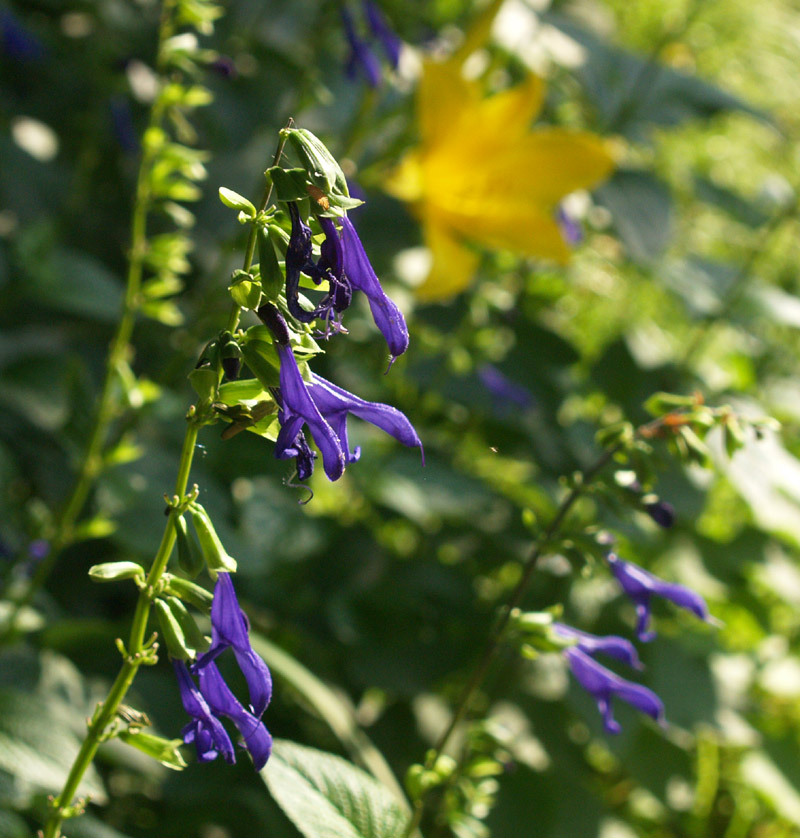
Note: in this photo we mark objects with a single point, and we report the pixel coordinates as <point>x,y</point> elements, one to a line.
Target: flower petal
<point>387,316</point>
<point>205,729</point>
<point>298,408</point>
<point>611,645</point>
<point>453,264</point>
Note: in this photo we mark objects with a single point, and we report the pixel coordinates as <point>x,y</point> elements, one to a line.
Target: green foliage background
<point>386,583</point>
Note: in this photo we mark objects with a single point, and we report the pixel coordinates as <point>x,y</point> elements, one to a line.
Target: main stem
<point>62,806</point>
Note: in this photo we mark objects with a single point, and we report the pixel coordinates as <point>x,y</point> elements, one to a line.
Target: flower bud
<point>214,553</point>
<point>190,557</point>
<point>172,633</point>
<point>188,591</point>
<point>272,279</point>
<point>231,354</point>
<point>114,571</point>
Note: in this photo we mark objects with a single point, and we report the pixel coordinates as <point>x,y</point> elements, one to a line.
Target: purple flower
<point>640,585</point>
<point>230,629</point>
<point>569,227</point>
<point>602,684</point>
<point>361,56</point>
<point>205,730</point>
<point>329,267</point>
<point>387,316</point>
<point>592,644</point>
<point>297,410</point>
<point>224,703</point>
<point>335,404</point>
<point>381,30</point>
<point>503,388</point>
<point>213,698</point>
<point>324,408</point>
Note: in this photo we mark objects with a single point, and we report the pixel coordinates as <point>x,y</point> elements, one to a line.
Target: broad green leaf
<point>330,707</point>
<point>642,210</point>
<point>327,797</point>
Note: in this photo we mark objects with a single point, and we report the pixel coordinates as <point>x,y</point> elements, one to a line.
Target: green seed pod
<point>114,571</point>
<point>172,633</point>
<point>322,169</point>
<point>190,556</point>
<point>188,591</point>
<point>213,552</point>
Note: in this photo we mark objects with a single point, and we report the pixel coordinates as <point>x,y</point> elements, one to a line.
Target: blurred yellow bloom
<point>480,175</point>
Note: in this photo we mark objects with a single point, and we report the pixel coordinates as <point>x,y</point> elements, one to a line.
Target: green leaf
<point>290,184</point>
<point>327,797</point>
<point>641,206</point>
<point>166,751</point>
<point>236,201</point>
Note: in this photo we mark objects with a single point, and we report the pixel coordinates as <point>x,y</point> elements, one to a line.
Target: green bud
<point>245,290</point>
<point>231,360</point>
<point>114,571</point>
<point>166,751</point>
<point>188,591</point>
<point>172,633</point>
<point>190,557</point>
<point>213,552</point>
<point>262,359</point>
<point>236,201</point>
<point>272,279</point>
<point>322,169</point>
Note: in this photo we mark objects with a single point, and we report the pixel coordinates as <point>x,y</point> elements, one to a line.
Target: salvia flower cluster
<point>308,247</point>
<point>600,682</point>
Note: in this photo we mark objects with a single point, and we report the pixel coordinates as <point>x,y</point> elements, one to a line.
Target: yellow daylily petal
<point>513,110</point>
<point>443,99</point>
<point>407,180</point>
<point>453,265</point>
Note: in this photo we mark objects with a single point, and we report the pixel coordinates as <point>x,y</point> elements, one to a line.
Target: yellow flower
<point>481,176</point>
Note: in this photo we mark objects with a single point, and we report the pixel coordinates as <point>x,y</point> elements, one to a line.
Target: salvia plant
<point>532,630</point>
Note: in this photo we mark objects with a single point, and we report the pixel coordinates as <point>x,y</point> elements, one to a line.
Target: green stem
<point>495,640</point>
<point>63,533</point>
<point>138,652</point>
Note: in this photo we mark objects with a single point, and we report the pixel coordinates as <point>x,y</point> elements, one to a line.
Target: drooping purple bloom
<point>335,404</point>
<point>387,316</point>
<point>377,23</point>
<point>230,629</point>
<point>640,586</point>
<point>329,267</point>
<point>213,698</point>
<point>506,392</point>
<point>205,730</point>
<point>223,702</point>
<point>602,684</point>
<point>592,644</point>
<point>297,410</point>
<point>361,56</point>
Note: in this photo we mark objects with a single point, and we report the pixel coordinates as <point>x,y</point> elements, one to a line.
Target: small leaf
<point>166,751</point>
<point>327,797</point>
<point>236,201</point>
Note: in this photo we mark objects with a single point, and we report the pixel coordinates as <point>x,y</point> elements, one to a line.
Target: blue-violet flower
<point>592,644</point>
<point>602,684</point>
<point>640,586</point>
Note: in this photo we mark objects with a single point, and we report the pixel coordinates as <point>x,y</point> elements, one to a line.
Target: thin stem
<point>63,533</point>
<point>138,652</point>
<point>250,247</point>
<point>496,636</point>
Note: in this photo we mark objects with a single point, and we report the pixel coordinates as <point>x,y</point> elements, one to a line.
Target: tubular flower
<point>602,684</point>
<point>361,56</point>
<point>592,644</point>
<point>640,586</point>
<point>213,698</point>
<point>480,176</point>
<point>324,408</point>
<point>335,404</point>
